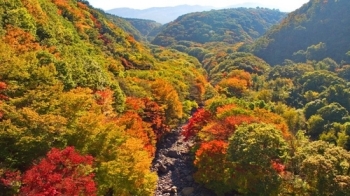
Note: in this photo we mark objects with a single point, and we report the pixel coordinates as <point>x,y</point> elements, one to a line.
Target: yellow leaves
<point>232,87</point>
<point>236,83</point>
<point>166,95</point>
<point>48,122</point>
<point>75,102</point>
<point>129,173</point>
<point>272,118</point>
<point>35,10</point>
<point>237,46</point>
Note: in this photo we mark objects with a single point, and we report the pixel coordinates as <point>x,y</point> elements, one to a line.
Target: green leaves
<point>256,147</point>
<point>257,144</point>
<point>325,168</point>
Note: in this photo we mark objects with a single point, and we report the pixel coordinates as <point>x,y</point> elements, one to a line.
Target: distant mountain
<point>226,25</point>
<point>148,28</point>
<point>140,29</point>
<point>160,14</point>
<point>317,30</point>
<point>248,5</point>
<point>127,26</point>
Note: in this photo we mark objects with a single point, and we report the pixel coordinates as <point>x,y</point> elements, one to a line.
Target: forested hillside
<point>142,30</point>
<point>84,105</point>
<point>227,25</point>
<point>148,28</point>
<point>127,27</point>
<point>315,31</point>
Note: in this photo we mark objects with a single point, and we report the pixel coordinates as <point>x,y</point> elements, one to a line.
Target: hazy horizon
<point>137,4</point>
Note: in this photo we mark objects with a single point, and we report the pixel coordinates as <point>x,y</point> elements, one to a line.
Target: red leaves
<point>212,148</point>
<point>151,113</point>
<point>278,167</point>
<point>11,178</point>
<point>199,119</point>
<point>213,168</point>
<point>104,96</point>
<point>155,115</point>
<point>135,104</point>
<point>223,129</point>
<point>60,173</point>
<point>3,86</point>
<point>97,23</point>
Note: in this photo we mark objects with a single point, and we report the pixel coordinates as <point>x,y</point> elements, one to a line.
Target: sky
<point>282,5</point>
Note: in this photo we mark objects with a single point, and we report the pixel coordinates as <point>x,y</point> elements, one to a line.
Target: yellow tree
<point>166,95</point>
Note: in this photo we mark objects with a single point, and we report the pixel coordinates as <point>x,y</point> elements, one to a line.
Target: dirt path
<point>175,168</point>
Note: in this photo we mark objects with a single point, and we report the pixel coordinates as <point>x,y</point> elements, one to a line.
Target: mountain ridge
<point>167,14</point>
<point>312,32</point>
<point>231,25</point>
<point>159,14</point>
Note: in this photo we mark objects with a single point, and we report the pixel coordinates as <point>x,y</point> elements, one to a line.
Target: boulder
<point>174,154</point>
<point>187,191</point>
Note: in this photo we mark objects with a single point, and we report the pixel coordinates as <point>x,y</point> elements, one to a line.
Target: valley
<point>239,101</point>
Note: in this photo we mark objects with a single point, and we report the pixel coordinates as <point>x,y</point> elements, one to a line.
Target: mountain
<point>249,5</point>
<point>148,28</point>
<point>127,26</point>
<point>226,25</point>
<point>317,30</point>
<point>141,29</point>
<point>160,14</point>
<point>86,109</point>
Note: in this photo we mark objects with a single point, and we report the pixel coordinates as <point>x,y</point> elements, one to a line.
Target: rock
<point>185,171</point>
<point>189,178</point>
<point>173,154</point>
<point>167,190</point>
<point>173,189</point>
<point>169,163</point>
<point>187,191</point>
<point>162,168</point>
<point>190,145</point>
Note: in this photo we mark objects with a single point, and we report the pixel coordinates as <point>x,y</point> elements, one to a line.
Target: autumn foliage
<point>200,118</point>
<point>61,172</point>
<point>83,104</point>
<point>212,128</point>
<point>213,169</point>
<point>2,96</point>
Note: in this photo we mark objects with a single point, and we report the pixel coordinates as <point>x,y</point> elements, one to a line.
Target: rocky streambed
<point>174,165</point>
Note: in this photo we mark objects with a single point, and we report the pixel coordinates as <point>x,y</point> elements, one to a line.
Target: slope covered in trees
<point>227,25</point>
<point>83,106</point>
<point>127,27</point>
<point>148,28</point>
<point>315,31</point>
<point>142,30</point>
<point>70,77</point>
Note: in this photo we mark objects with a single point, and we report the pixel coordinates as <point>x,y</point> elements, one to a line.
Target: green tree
<point>312,107</point>
<point>315,125</point>
<point>325,168</point>
<point>333,112</point>
<point>255,147</point>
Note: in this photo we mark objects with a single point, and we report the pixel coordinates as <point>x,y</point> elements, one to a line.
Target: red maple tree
<point>62,172</point>
<point>199,119</point>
